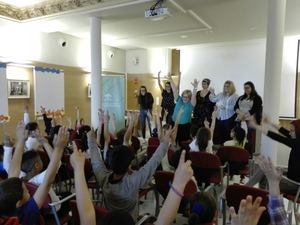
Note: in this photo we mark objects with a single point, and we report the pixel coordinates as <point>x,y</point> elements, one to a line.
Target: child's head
<point>118,217</point>
<point>238,134</point>
<point>31,163</point>
<point>33,129</point>
<point>202,138</point>
<point>203,208</point>
<point>13,194</point>
<point>119,160</point>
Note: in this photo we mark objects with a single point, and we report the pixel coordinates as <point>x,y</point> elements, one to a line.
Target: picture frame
<point>18,89</point>
<point>89,91</point>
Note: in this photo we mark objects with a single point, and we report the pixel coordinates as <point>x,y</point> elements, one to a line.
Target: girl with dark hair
<point>204,107</point>
<point>167,102</point>
<point>238,135</point>
<point>250,103</point>
<point>145,100</point>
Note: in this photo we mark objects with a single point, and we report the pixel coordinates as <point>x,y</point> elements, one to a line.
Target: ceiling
<point>193,22</point>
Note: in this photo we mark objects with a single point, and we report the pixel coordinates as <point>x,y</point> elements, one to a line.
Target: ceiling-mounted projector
<point>157,12</point>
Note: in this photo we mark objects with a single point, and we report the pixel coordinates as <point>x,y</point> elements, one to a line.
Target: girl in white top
<point>239,139</point>
<point>203,140</point>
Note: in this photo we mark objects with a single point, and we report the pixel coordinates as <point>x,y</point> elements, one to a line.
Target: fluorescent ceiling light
<point>22,3</point>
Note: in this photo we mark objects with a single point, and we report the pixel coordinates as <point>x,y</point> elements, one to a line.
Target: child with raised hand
<point>249,213</point>
<point>84,203</point>
<point>120,189</point>
<point>14,196</point>
<point>183,174</point>
<point>276,209</point>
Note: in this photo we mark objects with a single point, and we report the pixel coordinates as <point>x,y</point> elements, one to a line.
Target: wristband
<point>175,191</point>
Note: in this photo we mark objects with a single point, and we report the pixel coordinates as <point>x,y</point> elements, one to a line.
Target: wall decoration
<point>18,89</point>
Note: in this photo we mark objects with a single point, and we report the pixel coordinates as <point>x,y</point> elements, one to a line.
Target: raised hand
<point>60,140</point>
<point>21,133</point>
<point>26,109</point>
<point>106,117</point>
<point>266,165</point>
<point>195,83</point>
<point>206,123</point>
<point>77,158</point>
<point>167,138</point>
<point>101,115</point>
<point>43,110</point>
<point>7,141</point>
<point>249,213</point>
<point>183,173</point>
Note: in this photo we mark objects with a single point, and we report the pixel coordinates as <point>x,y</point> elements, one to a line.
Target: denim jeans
<point>143,117</point>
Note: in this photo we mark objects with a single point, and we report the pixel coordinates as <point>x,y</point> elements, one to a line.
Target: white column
<point>273,69</point>
<point>96,69</point>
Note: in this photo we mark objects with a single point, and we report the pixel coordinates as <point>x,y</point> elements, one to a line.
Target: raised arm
<point>8,149</point>
<point>15,164</point>
<point>213,97</point>
<point>47,121</point>
<point>114,125</point>
<point>136,124</point>
<point>169,210</point>
<point>60,142</point>
<point>84,204</point>
<point>131,120</point>
<point>26,118</point>
<point>106,133</point>
<point>174,87</point>
<point>43,141</point>
<point>276,209</point>
<point>195,87</point>
<point>159,81</point>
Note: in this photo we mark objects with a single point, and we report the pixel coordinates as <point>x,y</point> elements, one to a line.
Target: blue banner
<point>113,98</point>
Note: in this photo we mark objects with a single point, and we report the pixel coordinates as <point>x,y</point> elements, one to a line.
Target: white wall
<point>148,61</point>
<point>240,62</point>
<point>23,46</point>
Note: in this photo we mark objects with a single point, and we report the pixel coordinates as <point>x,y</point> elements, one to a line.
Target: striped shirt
<point>276,211</point>
<point>225,105</point>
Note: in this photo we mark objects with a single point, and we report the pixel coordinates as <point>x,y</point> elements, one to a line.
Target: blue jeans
<point>143,117</point>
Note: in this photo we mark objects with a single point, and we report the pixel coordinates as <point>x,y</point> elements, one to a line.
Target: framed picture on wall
<point>89,91</point>
<point>18,89</point>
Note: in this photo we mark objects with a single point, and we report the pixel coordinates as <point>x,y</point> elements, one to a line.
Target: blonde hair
<point>231,87</point>
<point>187,92</point>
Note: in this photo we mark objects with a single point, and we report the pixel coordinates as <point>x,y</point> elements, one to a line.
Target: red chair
<point>153,141</point>
<point>235,193</point>
<point>78,143</point>
<point>237,159</point>
<point>100,213</point>
<point>208,168</point>
<point>150,150</point>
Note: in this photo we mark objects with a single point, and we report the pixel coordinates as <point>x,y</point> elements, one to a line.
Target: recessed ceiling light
<point>183,36</point>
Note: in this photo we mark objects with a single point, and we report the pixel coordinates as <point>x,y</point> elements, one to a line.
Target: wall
<point>148,61</point>
<point>240,62</point>
<point>22,45</point>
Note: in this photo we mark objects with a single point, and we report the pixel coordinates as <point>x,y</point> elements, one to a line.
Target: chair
<point>294,200</point>
<point>153,141</point>
<point>99,211</point>
<point>207,168</point>
<point>163,179</point>
<point>56,217</point>
<point>237,159</point>
<point>235,193</point>
<point>150,150</point>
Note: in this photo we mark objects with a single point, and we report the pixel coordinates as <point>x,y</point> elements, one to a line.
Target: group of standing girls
<point>197,106</point>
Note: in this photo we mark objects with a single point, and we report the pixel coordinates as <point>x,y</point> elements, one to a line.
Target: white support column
<point>96,69</point>
<point>273,69</point>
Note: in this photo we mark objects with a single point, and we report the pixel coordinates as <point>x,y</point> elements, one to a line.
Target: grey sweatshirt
<point>124,194</point>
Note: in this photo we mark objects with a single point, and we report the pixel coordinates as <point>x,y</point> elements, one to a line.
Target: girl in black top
<point>145,100</point>
<point>249,104</point>
<point>290,138</point>
<point>204,107</point>
<point>167,103</point>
